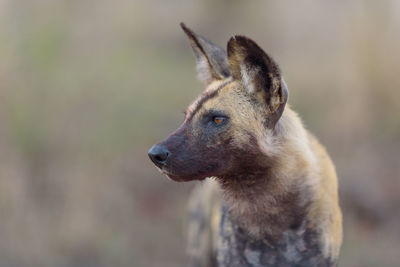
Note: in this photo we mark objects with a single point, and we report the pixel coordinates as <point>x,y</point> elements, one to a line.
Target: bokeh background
<point>86,87</point>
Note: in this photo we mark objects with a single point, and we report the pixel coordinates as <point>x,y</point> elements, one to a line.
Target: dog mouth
<point>170,175</point>
<point>176,177</point>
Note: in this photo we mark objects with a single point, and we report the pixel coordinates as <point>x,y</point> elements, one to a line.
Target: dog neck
<point>260,207</point>
<point>272,189</point>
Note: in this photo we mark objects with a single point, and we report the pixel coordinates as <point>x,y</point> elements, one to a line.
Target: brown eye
<point>218,119</point>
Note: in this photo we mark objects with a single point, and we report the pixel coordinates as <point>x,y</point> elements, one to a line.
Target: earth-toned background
<point>86,87</point>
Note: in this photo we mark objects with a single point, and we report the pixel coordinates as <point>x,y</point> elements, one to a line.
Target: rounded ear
<point>259,75</point>
<point>211,60</point>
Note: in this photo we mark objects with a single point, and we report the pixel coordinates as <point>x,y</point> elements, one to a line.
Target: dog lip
<point>174,177</point>
<point>169,174</point>
<point>178,178</point>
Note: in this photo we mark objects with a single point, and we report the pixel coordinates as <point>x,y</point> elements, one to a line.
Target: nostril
<point>159,154</point>
<point>159,158</point>
<point>162,156</point>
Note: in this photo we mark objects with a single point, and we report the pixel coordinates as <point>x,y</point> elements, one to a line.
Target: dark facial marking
<point>205,97</point>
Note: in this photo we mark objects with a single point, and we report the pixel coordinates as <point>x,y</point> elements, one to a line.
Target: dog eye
<point>218,119</point>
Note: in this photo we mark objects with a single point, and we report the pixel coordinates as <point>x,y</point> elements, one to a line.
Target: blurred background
<point>86,88</point>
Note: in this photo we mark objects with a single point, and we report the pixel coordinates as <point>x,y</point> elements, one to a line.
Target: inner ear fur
<point>211,60</point>
<point>258,73</point>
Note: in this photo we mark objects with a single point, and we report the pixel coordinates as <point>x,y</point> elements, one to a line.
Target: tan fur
<point>300,161</point>
<point>326,200</point>
<point>274,198</point>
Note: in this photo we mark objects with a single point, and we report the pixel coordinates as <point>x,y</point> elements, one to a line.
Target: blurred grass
<point>86,87</point>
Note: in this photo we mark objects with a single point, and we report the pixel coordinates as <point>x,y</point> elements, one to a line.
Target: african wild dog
<point>273,196</point>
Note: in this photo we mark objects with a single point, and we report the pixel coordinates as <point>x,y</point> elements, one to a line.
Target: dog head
<point>229,129</point>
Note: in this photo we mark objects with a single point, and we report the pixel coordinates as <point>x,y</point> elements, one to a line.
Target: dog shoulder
<point>327,203</point>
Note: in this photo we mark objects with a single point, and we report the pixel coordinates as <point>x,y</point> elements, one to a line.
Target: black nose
<point>158,154</point>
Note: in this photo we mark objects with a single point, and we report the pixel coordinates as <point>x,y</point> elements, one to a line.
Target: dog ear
<point>259,75</point>
<point>212,61</point>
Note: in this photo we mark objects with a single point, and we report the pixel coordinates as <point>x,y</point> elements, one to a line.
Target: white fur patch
<point>268,144</point>
<point>253,257</point>
<point>203,70</point>
<point>248,76</point>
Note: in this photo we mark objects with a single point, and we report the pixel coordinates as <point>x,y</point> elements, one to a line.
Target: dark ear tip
<point>186,29</point>
<point>243,44</point>
<point>231,40</point>
<point>240,40</point>
<point>183,26</point>
<point>237,43</point>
